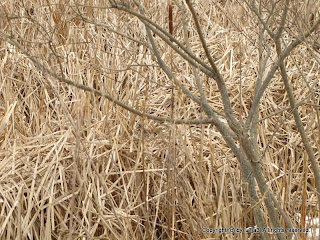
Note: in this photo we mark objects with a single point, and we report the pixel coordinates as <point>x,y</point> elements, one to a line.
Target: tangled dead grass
<point>74,165</point>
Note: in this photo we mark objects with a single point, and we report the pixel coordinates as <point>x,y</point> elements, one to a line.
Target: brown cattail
<point>170,18</point>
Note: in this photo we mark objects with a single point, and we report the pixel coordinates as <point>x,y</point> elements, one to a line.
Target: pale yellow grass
<point>74,165</point>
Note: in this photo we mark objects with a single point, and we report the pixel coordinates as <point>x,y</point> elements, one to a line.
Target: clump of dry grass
<point>74,165</point>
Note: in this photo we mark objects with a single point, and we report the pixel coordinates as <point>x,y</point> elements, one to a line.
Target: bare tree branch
<point>273,69</point>
<point>297,118</point>
<point>89,89</point>
<point>233,123</point>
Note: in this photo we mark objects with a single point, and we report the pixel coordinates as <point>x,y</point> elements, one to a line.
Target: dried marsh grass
<point>77,166</point>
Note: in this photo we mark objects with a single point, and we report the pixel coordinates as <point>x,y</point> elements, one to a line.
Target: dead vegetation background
<point>75,165</point>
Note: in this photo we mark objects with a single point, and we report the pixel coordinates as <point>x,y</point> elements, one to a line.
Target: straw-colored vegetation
<point>76,165</point>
